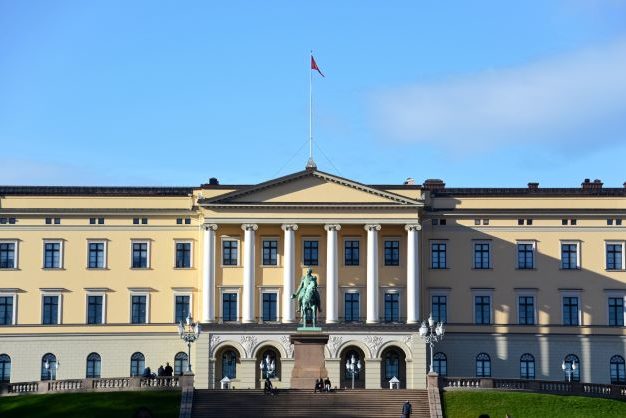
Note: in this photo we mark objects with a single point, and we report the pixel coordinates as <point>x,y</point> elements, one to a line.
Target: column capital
<point>249,227</point>
<point>332,227</point>
<point>372,227</point>
<point>212,227</point>
<point>289,227</point>
<point>413,227</point>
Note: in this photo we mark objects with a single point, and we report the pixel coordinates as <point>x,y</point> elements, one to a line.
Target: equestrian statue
<point>308,299</point>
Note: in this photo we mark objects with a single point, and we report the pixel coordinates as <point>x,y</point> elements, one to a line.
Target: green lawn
<point>471,404</point>
<point>90,405</point>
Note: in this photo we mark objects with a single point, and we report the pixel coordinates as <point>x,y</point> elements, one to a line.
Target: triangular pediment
<point>310,187</point>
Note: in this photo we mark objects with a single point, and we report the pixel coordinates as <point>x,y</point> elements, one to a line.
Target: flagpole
<point>311,111</point>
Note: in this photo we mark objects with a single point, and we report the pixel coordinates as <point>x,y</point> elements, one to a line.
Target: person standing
<point>168,370</point>
<point>161,371</point>
<point>406,410</point>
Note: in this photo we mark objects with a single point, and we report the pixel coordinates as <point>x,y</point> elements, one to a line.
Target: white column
<point>247,300</point>
<point>412,273</point>
<point>372,273</point>
<point>332,274</point>
<point>208,273</point>
<point>289,271</point>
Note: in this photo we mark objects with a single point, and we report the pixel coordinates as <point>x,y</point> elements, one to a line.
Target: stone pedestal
<point>309,360</point>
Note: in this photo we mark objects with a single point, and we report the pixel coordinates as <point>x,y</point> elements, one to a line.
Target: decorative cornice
<point>249,227</point>
<point>332,227</point>
<point>290,227</point>
<point>372,227</point>
<point>413,227</point>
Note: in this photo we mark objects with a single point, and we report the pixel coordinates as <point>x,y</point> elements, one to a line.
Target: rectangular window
<point>95,305</point>
<point>482,310</point>
<point>50,310</point>
<point>616,312</point>
<point>139,304</point>
<point>614,256</point>
<point>8,260</point>
<point>392,253</point>
<point>229,306</point>
<point>135,221</point>
<point>96,258</point>
<point>230,252</point>
<point>438,256</point>
<point>6,310</point>
<point>392,307</point>
<point>481,255</point>
<point>183,255</point>
<point>270,306</point>
<point>570,310</point>
<point>311,253</point>
<point>270,252</point>
<point>140,255</point>
<point>569,256</point>
<point>440,308</point>
<point>351,253</point>
<point>182,307</point>
<point>351,307</point>
<point>525,256</point>
<point>52,255</point>
<point>526,310</point>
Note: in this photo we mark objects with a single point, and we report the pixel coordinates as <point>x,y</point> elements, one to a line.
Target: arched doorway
<point>345,375</point>
<point>267,365</point>
<point>393,364</point>
<point>226,361</point>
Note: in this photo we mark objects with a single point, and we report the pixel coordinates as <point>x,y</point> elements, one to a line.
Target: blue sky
<point>481,93</point>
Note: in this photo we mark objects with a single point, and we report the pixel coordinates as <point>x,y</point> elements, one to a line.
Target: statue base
<point>309,329</point>
<point>309,360</point>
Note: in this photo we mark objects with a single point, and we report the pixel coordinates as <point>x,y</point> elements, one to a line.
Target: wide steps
<point>304,403</point>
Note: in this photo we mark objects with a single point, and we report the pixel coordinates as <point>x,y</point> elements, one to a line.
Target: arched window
<point>618,374</point>
<point>137,364</point>
<point>392,364</point>
<point>440,364</point>
<point>49,367</point>
<point>5,368</point>
<point>229,364</point>
<point>93,366</point>
<point>569,360</point>
<point>181,362</point>
<point>527,366</point>
<point>483,365</point>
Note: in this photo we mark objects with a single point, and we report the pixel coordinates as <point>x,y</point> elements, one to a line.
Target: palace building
<point>93,280</point>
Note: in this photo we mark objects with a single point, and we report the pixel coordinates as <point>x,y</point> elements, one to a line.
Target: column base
<point>248,321</point>
<point>412,321</point>
<point>288,321</point>
<point>331,322</point>
<point>372,321</point>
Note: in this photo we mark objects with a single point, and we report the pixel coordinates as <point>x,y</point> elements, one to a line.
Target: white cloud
<point>566,100</point>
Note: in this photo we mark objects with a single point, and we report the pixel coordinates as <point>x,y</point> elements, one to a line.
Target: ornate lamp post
<point>353,367</point>
<point>189,331</point>
<point>569,369</point>
<point>56,369</point>
<point>268,367</point>
<point>431,333</point>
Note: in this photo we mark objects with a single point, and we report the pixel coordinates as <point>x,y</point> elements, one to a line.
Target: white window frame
<point>614,242</point>
<point>191,250</point>
<point>386,290</point>
<point>490,252</point>
<point>14,314</point>
<point>16,258</point>
<point>130,306</point>
<point>440,292</point>
<point>613,294</point>
<point>230,238</point>
<point>278,247</point>
<point>578,251</point>
<point>343,250</point>
<point>534,247</point>
<point>105,256</point>
<point>104,306</point>
<point>59,308</point>
<point>351,289</point>
<point>61,243</point>
<point>526,293</point>
<point>230,289</point>
<point>181,293</point>
<point>430,253</point>
<point>482,292</point>
<point>577,294</point>
<point>278,292</point>
<point>149,255</point>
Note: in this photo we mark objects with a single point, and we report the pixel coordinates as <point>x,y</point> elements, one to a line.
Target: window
<point>230,252</point>
<point>8,255</point>
<point>616,311</point>
<point>137,364</point>
<point>392,253</point>
<point>391,364</point>
<point>311,253</point>
<point>392,306</point>
<point>182,307</point>
<point>99,221</point>
<point>569,256</point>
<point>570,311</point>
<point>614,254</point>
<point>51,308</point>
<point>139,305</point>
<point>93,366</point>
<point>229,364</point>
<point>482,310</point>
<point>351,253</point>
<point>6,309</point>
<point>527,366</point>
<point>229,306</point>
<point>439,308</point>
<point>52,255</point>
<point>526,310</point>
<point>481,255</point>
<point>135,221</point>
<point>440,364</point>
<point>438,258</point>
<point>483,365</point>
<point>525,255</point>
<point>270,252</point>
<point>575,374</point>
<point>181,363</point>
<point>5,368</point>
<point>49,367</point>
<point>351,307</point>
<point>50,221</point>
<point>618,374</point>
<point>140,255</point>
<point>187,221</point>
<point>10,221</point>
<point>95,309</point>
<point>270,306</point>
<point>618,222</point>
<point>439,221</point>
<point>97,257</point>
<point>520,222</point>
<point>183,255</point>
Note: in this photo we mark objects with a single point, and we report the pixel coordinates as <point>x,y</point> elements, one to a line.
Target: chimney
<point>410,181</point>
<point>533,186</point>
<point>434,184</point>
<point>592,185</point>
<point>213,181</point>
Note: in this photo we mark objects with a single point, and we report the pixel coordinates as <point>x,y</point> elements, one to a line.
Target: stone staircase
<point>361,403</point>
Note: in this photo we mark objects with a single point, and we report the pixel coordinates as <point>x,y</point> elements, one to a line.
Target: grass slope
<point>90,405</point>
<point>471,404</point>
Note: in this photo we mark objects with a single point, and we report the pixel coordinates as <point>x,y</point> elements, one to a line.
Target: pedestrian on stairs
<point>406,410</point>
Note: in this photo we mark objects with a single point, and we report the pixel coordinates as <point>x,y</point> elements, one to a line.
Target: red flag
<point>315,67</point>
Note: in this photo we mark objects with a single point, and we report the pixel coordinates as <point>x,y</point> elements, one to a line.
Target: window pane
<point>182,308</point>
<point>351,306</point>
<point>183,255</point>
<point>6,310</point>
<point>139,309</point>
<point>269,306</point>
<point>311,253</point>
<point>50,310</point>
<point>94,309</point>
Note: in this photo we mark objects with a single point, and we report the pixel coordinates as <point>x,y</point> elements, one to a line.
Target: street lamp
<point>56,369</point>
<point>189,331</point>
<point>267,366</point>
<point>431,333</point>
<point>569,369</point>
<point>353,367</point>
